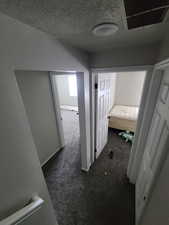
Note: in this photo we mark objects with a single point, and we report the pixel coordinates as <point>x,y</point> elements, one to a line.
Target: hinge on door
<point>96,86</point>
<point>95,150</point>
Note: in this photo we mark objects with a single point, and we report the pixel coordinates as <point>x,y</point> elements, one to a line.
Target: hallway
<point>102,196</point>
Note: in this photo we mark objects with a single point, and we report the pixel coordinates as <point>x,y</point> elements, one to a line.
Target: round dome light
<point>105,29</point>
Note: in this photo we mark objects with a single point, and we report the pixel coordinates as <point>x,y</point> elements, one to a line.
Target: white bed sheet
<point>124,112</point>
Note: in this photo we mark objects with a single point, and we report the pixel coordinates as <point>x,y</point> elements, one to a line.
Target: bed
<point>123,117</point>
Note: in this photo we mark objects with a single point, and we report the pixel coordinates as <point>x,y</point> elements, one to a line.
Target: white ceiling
<point>71,21</point>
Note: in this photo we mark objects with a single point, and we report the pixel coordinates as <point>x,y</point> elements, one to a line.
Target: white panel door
<point>156,146</point>
<point>102,111</point>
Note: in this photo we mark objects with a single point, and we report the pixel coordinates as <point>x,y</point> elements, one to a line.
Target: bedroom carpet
<point>102,196</point>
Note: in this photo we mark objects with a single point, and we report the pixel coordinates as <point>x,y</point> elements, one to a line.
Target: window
<point>72,85</point>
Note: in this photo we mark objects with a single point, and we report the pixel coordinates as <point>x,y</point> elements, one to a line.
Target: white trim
<point>122,69</point>
<point>162,65</point>
<point>56,103</point>
<point>158,70</point>
<point>83,120</point>
<point>57,150</point>
<point>92,108</point>
<point>61,72</point>
<point>85,169</point>
<point>147,106</point>
<point>149,69</point>
<point>139,147</point>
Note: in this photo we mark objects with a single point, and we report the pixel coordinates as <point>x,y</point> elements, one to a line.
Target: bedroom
<point>117,100</point>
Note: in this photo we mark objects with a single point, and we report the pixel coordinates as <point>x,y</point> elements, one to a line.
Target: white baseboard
<point>85,169</point>
<point>57,150</point>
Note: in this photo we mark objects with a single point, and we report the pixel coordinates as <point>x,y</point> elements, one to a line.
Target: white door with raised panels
<point>156,146</point>
<point>102,111</point>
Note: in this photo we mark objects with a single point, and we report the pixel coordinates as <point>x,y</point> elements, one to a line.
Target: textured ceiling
<point>64,17</point>
<point>71,21</point>
<point>124,38</point>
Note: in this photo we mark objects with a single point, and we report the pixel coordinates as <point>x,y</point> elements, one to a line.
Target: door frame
<point>84,124</point>
<point>158,72</point>
<point>131,171</point>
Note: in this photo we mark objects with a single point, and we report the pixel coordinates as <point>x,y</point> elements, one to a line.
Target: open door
<point>156,147</point>
<point>102,111</point>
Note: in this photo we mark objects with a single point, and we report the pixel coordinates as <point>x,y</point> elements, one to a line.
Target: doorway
<point>80,82</point>
<point>148,138</point>
<point>117,99</point>
<point>156,148</point>
<point>66,102</point>
<point>117,102</point>
<point>39,97</point>
<point>91,198</point>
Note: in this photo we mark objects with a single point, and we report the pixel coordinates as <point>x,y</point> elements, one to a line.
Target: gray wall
<point>131,56</point>
<point>36,94</point>
<point>63,91</point>
<point>25,48</point>
<point>164,51</point>
<point>129,86</point>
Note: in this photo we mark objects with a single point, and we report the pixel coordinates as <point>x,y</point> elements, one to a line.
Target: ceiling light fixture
<point>105,29</point>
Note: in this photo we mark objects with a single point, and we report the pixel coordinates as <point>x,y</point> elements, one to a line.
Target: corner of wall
<point>164,48</point>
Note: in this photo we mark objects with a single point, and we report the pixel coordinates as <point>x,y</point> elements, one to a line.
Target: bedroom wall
<point>25,48</point>
<point>129,86</point>
<point>36,94</point>
<point>63,91</point>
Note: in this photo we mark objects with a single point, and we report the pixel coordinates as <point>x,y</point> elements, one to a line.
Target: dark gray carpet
<point>102,196</point>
